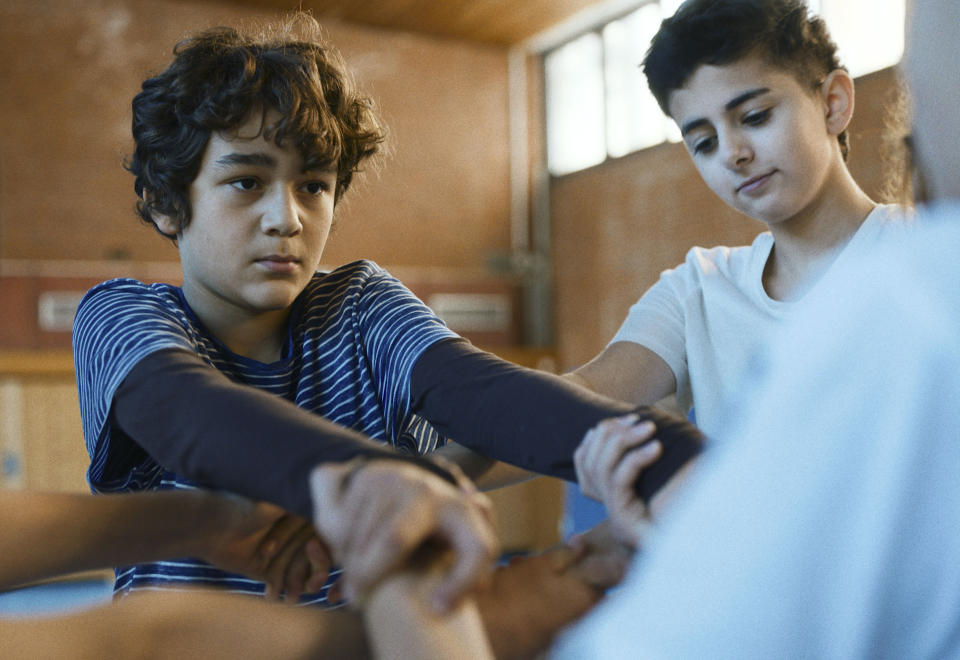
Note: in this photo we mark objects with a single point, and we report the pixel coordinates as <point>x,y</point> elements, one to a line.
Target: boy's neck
<point>806,245</point>
<point>258,336</point>
<point>259,339</point>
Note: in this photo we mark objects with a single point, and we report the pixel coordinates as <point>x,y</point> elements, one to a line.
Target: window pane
<point>869,33</point>
<point>634,119</point>
<point>575,123</point>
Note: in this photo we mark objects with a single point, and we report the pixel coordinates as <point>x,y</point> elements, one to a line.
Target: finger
<point>633,463</point>
<point>583,461</point>
<point>297,574</point>
<point>484,506</point>
<point>563,557</point>
<point>603,570</point>
<point>320,563</point>
<point>279,536</point>
<point>577,544</point>
<point>278,567</point>
<point>622,440</point>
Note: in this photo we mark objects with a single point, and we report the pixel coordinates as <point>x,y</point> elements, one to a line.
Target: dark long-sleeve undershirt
<point>531,419</point>
<point>194,421</point>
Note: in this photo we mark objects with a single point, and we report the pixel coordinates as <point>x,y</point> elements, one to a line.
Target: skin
<point>259,225</point>
<point>257,539</point>
<point>377,515</point>
<point>188,624</point>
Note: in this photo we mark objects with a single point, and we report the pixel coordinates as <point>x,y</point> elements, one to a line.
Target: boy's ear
<point>837,94</point>
<point>164,223</point>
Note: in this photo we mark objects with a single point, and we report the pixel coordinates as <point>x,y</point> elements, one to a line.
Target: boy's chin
<point>274,298</point>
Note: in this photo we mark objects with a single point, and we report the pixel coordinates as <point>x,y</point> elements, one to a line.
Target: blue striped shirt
<point>354,336</point>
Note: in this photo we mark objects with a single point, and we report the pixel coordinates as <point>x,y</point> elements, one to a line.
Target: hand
<point>602,557</point>
<point>298,561</point>
<point>374,515</point>
<point>530,600</point>
<point>608,463</point>
<point>266,543</point>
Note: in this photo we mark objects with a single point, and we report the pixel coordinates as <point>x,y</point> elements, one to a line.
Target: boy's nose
<point>281,216</point>
<point>738,152</point>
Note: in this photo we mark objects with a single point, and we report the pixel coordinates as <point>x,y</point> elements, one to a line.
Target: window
<point>598,104</point>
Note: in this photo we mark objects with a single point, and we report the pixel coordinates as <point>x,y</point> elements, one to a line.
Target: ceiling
<point>502,22</point>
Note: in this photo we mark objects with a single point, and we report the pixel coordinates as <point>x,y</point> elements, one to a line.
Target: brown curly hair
<point>217,79</point>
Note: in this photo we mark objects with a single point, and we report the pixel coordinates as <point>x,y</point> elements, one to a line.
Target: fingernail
<point>629,420</point>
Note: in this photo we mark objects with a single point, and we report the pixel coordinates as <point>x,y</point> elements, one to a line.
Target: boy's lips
<point>754,183</point>
<point>279,263</point>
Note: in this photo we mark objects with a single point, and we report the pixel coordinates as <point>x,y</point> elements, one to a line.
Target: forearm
<point>191,624</point>
<point>486,473</point>
<point>530,600</point>
<point>527,418</point>
<point>191,419</point>
<point>401,624</point>
<point>52,534</point>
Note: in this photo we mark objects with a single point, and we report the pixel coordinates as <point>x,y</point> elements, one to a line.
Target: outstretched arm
<point>193,420</point>
<point>527,418</point>
<point>401,624</point>
<point>193,624</point>
<point>626,371</point>
<point>52,534</point>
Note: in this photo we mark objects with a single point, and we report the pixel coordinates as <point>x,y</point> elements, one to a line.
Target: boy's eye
<point>315,187</point>
<point>705,145</point>
<point>757,118</point>
<point>245,184</point>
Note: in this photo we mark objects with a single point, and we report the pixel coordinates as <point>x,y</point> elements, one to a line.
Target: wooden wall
<point>69,70</point>
<point>617,226</point>
<point>433,214</point>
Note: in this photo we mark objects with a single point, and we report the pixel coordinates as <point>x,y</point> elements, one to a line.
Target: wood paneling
<point>41,440</point>
<point>495,21</point>
<point>441,198</point>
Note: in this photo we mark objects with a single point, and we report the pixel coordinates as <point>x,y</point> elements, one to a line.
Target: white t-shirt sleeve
<point>656,321</point>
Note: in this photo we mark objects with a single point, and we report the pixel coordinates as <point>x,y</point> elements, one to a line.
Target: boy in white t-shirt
<point>763,105</point>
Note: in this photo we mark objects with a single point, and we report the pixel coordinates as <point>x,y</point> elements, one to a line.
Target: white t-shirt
<point>710,316</point>
<point>827,523</point>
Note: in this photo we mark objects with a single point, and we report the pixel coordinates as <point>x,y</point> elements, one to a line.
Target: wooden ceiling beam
<point>501,22</point>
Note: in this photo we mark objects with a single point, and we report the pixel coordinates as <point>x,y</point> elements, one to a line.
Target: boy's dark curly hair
<point>720,32</point>
<point>217,79</point>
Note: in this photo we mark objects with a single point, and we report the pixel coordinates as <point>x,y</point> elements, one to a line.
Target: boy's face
<point>758,138</point>
<point>258,228</point>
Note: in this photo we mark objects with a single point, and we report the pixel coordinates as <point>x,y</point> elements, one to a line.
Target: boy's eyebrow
<point>259,159</point>
<point>730,105</point>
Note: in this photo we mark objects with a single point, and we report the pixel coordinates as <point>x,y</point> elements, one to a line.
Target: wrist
<point>214,515</point>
